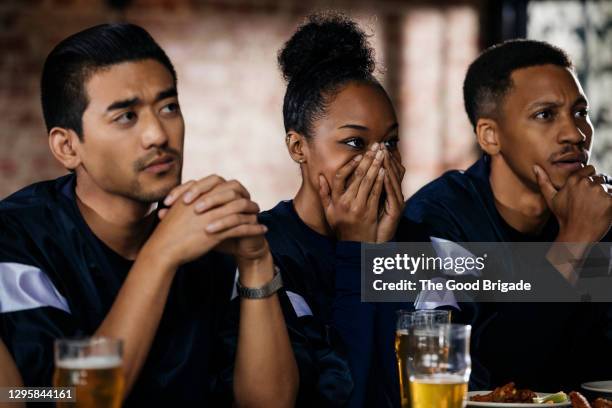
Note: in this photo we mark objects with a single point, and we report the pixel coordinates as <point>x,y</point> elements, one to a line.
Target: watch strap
<point>262,292</point>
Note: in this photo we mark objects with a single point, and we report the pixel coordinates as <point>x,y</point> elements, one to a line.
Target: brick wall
<point>231,90</point>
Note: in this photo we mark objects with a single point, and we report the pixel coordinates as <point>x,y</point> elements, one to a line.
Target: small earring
<point>300,161</point>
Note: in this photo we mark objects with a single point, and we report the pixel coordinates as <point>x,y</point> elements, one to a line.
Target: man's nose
<point>154,134</point>
<point>571,132</point>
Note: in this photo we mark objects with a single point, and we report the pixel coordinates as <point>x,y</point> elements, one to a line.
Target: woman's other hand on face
<point>393,206</point>
<point>351,203</point>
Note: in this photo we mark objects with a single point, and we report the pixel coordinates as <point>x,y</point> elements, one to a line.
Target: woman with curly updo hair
<point>342,131</point>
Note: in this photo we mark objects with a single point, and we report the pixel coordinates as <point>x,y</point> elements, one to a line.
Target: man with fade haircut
<point>86,254</point>
<point>533,183</point>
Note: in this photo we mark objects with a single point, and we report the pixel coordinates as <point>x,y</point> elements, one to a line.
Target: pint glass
<point>405,321</point>
<point>93,367</point>
<point>439,366</point>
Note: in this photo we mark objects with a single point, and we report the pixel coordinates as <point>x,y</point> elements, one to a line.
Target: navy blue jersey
<point>543,346</point>
<point>57,279</point>
<point>325,274</point>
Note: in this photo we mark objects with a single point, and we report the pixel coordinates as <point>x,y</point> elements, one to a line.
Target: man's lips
<point>571,161</point>
<point>160,165</point>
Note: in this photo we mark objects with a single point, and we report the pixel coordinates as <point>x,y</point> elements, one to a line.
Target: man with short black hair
<point>533,183</point>
<point>86,254</point>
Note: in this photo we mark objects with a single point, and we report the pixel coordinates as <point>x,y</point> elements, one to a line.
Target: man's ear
<point>487,133</point>
<point>296,144</point>
<point>63,143</point>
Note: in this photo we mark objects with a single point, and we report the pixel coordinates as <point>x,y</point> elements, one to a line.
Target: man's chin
<point>152,194</point>
<point>558,177</point>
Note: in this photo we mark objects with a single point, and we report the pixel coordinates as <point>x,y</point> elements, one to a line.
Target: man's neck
<point>122,224</point>
<point>307,204</point>
<point>523,208</point>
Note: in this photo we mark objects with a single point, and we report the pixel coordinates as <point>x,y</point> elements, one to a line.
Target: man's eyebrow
<point>126,103</point>
<point>545,104</point>
<point>581,100</point>
<point>556,104</point>
<point>168,93</point>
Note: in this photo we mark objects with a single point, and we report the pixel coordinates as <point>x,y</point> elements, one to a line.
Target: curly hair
<point>326,52</point>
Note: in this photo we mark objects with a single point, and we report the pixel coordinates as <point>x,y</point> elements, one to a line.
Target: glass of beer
<point>93,367</point>
<point>439,366</point>
<point>405,321</point>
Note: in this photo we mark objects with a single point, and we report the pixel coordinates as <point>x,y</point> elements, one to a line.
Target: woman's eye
<point>170,108</point>
<point>391,144</point>
<point>544,115</point>
<point>355,143</point>
<point>126,118</point>
<point>582,113</point>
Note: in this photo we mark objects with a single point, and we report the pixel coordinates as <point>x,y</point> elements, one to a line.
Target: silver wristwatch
<point>265,291</point>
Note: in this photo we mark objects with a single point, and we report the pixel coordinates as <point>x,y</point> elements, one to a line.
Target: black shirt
<point>58,280</point>
<point>543,346</point>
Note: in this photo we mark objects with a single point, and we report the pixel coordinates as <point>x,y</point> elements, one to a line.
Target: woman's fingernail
<point>187,197</point>
<point>379,155</point>
<point>200,207</point>
<point>358,158</point>
<point>375,147</point>
<point>381,172</point>
<point>168,199</point>
<point>211,227</point>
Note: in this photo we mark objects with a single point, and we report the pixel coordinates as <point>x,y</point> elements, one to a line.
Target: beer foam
<point>90,363</point>
<point>440,379</point>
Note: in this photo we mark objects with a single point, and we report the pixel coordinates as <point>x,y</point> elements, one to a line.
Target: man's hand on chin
<point>583,208</point>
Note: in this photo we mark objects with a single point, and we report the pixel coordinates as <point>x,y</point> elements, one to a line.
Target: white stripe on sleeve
<point>300,306</point>
<point>24,287</point>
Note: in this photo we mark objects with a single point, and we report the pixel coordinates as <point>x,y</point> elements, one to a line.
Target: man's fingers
<point>600,179</point>
<point>340,178</point>
<point>241,205</point>
<point>586,171</point>
<point>177,191</point>
<point>324,191</point>
<point>202,186</point>
<point>243,230</point>
<point>217,197</point>
<point>230,221</point>
<point>603,181</point>
<point>546,187</point>
<point>232,185</point>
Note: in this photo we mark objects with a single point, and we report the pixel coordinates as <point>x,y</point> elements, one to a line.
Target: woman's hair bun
<point>326,38</point>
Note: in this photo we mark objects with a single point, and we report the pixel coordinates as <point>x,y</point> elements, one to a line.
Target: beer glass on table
<point>405,320</point>
<point>439,366</point>
<point>94,367</point>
